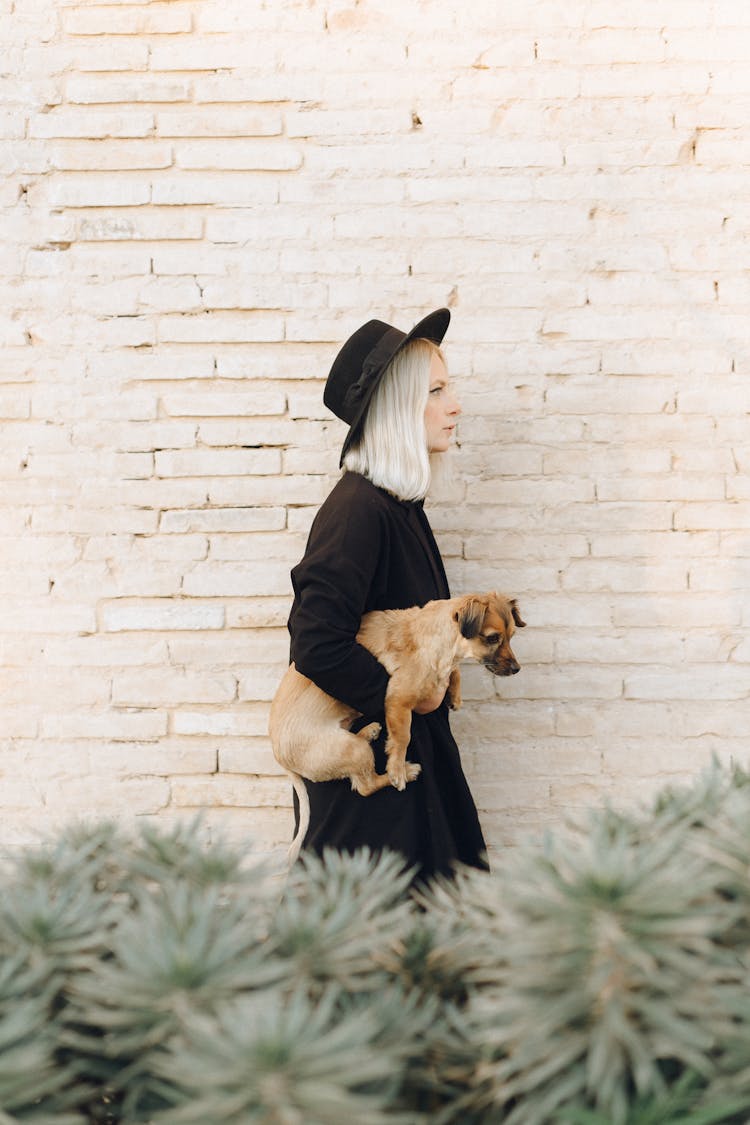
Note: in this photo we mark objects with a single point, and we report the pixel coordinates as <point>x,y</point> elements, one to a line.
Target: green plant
<point>600,979</point>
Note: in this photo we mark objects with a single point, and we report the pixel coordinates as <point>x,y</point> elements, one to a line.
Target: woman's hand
<point>430,702</point>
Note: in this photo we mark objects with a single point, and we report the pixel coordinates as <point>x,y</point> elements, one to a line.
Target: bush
<point>603,979</point>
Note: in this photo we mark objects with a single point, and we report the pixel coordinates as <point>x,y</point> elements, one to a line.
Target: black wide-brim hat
<point>362,361</point>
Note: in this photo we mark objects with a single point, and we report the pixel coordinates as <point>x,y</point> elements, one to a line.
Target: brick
<point>253,757</point>
<point>707,682</point>
<point>655,544</point>
<point>697,611</point>
<point>180,614</point>
<point>224,462</point>
<point>225,405</point>
<point>84,155</point>
<point>236,520</point>
<point>76,521</point>
<point>528,83</point>
<point>145,225</point>
<point>79,123</point>
<point>267,224</point>
<point>238,546</point>
<point>260,613</point>
<point>255,121</point>
<point>142,494</point>
<point>611,395</point>
<point>104,89</point>
<point>102,652</point>
<point>222,187</point>
<point>210,260</point>
<point>260,682</point>
<point>14,404</point>
<point>675,486</point>
<point>337,123</point>
<point>232,790</point>
<point>258,86</point>
<point>719,516</point>
<point>260,294</point>
<point>18,722</point>
<point>720,575</point>
<point>125,55</point>
<point>171,687</point>
<point>108,795</point>
<point>27,617</point>
<point>93,190</point>
<point>207,327</point>
<point>116,725</point>
<point>155,19</point>
<point>238,154</point>
<point>170,758</point>
<point>235,579</point>
<point>146,549</point>
<point>238,649</point>
<point>268,491</point>
<point>311,461</point>
<point>245,721</point>
<point>16,793</point>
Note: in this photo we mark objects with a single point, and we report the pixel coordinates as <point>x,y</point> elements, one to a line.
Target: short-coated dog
<point>420,648</point>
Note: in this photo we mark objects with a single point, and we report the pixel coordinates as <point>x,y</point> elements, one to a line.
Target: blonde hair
<point>391,451</point>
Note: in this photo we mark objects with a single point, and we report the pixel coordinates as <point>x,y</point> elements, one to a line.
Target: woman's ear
<point>516,615</point>
<point>470,616</point>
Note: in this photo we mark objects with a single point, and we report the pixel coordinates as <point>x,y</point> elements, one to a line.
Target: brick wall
<point>199,202</point>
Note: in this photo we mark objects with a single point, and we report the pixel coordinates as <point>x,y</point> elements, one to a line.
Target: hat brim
<point>432,327</point>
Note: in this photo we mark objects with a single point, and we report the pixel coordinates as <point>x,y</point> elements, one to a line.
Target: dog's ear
<point>516,615</point>
<point>470,617</point>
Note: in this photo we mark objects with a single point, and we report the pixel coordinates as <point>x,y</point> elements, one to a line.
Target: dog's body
<point>420,648</point>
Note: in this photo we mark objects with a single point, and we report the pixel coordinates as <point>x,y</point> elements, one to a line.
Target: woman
<point>371,547</point>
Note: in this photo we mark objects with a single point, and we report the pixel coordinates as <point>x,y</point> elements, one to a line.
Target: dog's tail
<point>304,816</point>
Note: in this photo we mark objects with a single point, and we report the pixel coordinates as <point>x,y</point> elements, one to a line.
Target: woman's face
<point>442,410</point>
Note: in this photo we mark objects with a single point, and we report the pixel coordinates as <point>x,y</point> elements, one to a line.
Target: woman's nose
<point>454,406</point>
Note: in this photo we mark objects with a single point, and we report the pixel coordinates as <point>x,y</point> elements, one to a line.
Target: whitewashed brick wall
<point>199,201</point>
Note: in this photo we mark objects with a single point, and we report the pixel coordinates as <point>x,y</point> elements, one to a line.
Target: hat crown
<point>347,380</point>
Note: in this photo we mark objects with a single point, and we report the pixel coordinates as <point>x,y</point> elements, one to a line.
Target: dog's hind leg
<point>338,753</point>
<point>367,781</point>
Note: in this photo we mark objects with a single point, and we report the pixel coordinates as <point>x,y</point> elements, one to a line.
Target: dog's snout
<point>504,666</point>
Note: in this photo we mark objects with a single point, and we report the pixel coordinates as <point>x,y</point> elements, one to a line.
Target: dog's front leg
<point>398,721</point>
<point>454,690</point>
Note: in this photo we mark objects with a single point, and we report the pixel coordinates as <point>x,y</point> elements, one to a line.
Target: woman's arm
<point>335,584</point>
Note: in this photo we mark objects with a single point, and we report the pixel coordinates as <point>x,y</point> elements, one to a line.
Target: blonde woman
<point>371,547</point>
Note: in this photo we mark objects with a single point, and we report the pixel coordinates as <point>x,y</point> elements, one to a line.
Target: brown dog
<point>421,649</point>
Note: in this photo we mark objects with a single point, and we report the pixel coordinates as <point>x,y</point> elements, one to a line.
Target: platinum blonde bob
<point>391,451</point>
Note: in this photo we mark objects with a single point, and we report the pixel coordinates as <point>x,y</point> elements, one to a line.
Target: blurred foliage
<point>601,979</point>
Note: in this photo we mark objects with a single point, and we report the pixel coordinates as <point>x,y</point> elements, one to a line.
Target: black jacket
<point>368,551</point>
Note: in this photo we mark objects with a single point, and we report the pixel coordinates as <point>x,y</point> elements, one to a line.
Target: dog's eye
<point>491,638</point>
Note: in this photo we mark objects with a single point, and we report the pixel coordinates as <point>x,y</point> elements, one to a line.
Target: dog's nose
<point>515,667</point>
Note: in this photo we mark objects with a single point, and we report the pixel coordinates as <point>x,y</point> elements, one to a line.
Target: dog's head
<point>487,622</point>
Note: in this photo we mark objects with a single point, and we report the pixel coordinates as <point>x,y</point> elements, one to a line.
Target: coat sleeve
<point>334,584</point>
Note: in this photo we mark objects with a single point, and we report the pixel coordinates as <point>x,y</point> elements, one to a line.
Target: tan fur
<point>420,648</point>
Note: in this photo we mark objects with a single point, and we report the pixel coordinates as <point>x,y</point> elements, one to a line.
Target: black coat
<point>368,551</point>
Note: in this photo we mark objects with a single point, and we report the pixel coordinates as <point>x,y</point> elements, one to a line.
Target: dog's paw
<point>402,773</point>
<point>370,732</point>
<point>455,701</point>
<point>397,776</point>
